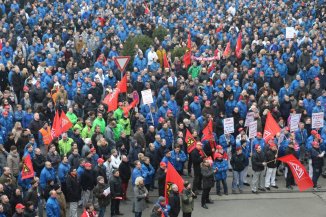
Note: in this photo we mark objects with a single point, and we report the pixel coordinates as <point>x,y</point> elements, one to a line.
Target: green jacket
<point>99,122</point>
<point>78,126</point>
<point>194,71</point>
<point>86,133</point>
<point>125,123</point>
<point>65,146</point>
<point>118,114</point>
<point>72,117</point>
<point>117,131</point>
<point>187,201</point>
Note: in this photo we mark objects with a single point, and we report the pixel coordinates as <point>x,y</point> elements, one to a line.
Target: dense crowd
<point>58,57</point>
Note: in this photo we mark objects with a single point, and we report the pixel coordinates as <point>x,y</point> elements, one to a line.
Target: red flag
<point>271,127</point>
<point>208,132</point>
<point>238,47</point>
<point>55,131</point>
<point>65,123</point>
<point>299,172</point>
<point>227,51</point>
<point>191,142</point>
<point>172,177</point>
<point>130,106</point>
<point>122,85</point>
<point>187,56</point>
<point>27,171</point>
<point>112,100</point>
<point>166,61</point>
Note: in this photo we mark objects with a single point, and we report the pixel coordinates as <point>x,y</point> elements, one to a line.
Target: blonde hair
<point>138,180</point>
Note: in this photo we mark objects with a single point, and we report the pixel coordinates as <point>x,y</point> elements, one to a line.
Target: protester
<point>238,163</point>
<point>258,165</point>
<point>220,167</point>
<point>208,182</point>
<point>103,198</point>
<point>187,200</point>
<point>174,201</point>
<point>141,193</point>
<point>116,193</point>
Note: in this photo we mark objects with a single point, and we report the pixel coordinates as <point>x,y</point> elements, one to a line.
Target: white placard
<point>147,96</point>
<point>250,117</point>
<point>228,125</point>
<point>317,120</point>
<point>289,32</point>
<point>252,129</point>
<point>294,122</point>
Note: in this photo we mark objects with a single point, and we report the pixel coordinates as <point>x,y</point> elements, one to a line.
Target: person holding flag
<point>197,159</point>
<point>317,157</point>
<point>187,200</point>
<point>258,166</point>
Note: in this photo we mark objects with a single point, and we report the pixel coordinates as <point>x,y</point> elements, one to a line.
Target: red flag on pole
<point>208,132</point>
<point>238,48</point>
<point>299,172</point>
<point>65,123</point>
<point>227,51</point>
<point>55,131</point>
<point>27,171</point>
<point>190,141</point>
<point>147,11</point>
<point>122,85</point>
<point>130,106</point>
<point>219,28</point>
<point>165,61</point>
<point>271,127</point>
<point>112,100</point>
<point>172,177</point>
<point>187,56</point>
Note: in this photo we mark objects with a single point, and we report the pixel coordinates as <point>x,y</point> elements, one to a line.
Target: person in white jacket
<point>115,159</point>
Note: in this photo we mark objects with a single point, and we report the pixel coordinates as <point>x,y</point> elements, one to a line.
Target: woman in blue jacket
<point>220,167</point>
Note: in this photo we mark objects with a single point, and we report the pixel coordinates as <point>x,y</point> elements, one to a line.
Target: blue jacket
<point>167,135</point>
<point>165,209</point>
<point>283,92</point>
<point>148,173</point>
<point>52,208</point>
<point>301,136</point>
<point>242,109</point>
<point>140,64</point>
<point>178,164</point>
<point>229,106</point>
<point>222,167</point>
<point>80,171</point>
<point>63,171</point>
<point>309,105</point>
<point>136,173</point>
<point>172,105</point>
<point>223,142</point>
<point>46,175</point>
<point>195,108</point>
<point>260,142</point>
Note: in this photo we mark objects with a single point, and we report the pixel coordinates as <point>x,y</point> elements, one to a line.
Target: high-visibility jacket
<point>46,135</point>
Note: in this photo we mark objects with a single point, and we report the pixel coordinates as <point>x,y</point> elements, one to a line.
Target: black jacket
<point>277,83</point>
<point>88,180</point>
<point>238,162</point>
<point>38,164</point>
<point>317,162</point>
<point>208,176</point>
<point>160,174</point>
<point>174,202</point>
<point>196,159</point>
<point>73,189</point>
<point>270,156</point>
<point>257,162</point>
<point>101,171</point>
<point>116,187</point>
<point>31,195</point>
<point>125,172</point>
<point>103,200</point>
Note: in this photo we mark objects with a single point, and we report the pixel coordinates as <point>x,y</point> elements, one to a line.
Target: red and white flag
<point>271,127</point>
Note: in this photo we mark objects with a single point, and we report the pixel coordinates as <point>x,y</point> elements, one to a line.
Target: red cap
<point>4,113</point>
<point>208,102</point>
<point>78,83</point>
<point>25,89</point>
<point>259,134</point>
<point>317,79</point>
<point>161,120</point>
<point>219,147</point>
<point>261,73</point>
<point>318,136</point>
<point>93,149</point>
<point>196,98</point>
<point>162,164</point>
<point>272,145</point>
<point>100,160</point>
<point>314,143</point>
<point>218,155</point>
<point>186,107</point>
<point>287,128</point>
<point>93,84</point>
<point>19,206</point>
<point>314,132</point>
<point>240,129</point>
<point>238,148</point>
<point>256,146</point>
<point>168,111</point>
<point>120,103</point>
<point>88,164</point>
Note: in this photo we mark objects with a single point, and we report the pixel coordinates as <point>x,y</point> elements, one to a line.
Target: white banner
<point>205,58</point>
<point>228,125</point>
<point>249,118</point>
<point>147,96</point>
<point>252,129</point>
<point>317,120</point>
<point>289,32</point>
<point>294,122</point>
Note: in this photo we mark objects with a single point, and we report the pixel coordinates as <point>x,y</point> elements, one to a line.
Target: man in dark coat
<point>174,201</point>
<point>317,157</point>
<point>258,166</point>
<point>161,174</point>
<point>88,182</point>
<point>73,190</point>
<point>38,162</point>
<point>125,174</point>
<point>197,159</point>
<point>116,192</point>
<point>208,182</point>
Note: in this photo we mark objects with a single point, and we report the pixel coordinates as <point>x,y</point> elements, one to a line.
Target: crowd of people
<point>58,57</point>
